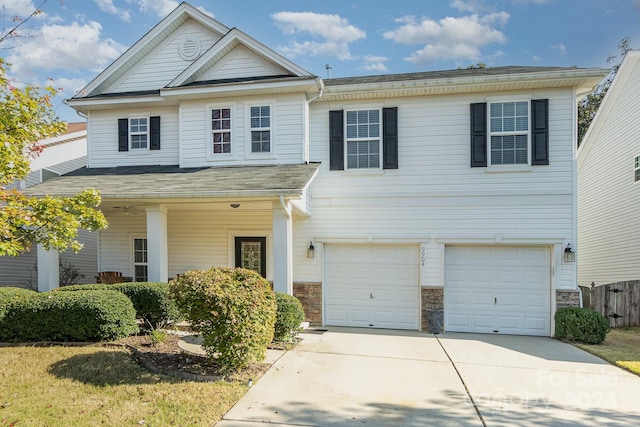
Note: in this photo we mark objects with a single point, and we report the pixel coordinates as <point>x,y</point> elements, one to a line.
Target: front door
<point>251,253</point>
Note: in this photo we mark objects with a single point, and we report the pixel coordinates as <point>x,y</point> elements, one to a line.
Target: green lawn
<point>622,348</point>
<point>94,385</point>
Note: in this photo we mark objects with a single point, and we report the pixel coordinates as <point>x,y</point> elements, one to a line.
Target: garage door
<point>372,286</point>
<point>502,290</point>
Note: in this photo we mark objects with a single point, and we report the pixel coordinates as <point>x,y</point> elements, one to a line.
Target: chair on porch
<point>110,277</point>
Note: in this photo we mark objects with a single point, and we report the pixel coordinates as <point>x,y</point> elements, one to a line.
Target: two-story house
<point>383,201</point>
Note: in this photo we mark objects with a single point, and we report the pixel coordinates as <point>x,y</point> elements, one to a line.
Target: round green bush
<point>581,325</point>
<point>69,316</point>
<point>11,295</point>
<point>289,317</point>
<point>152,301</point>
<point>233,309</point>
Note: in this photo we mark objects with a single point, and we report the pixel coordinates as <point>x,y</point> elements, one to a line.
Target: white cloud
<point>449,38</point>
<point>470,6</point>
<point>71,47</point>
<point>68,87</point>
<point>160,8</point>
<point>21,8</point>
<point>530,1</point>
<point>109,7</point>
<point>375,63</point>
<point>560,48</point>
<point>332,33</point>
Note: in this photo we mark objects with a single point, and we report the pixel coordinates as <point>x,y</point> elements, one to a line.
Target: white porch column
<point>157,248</point>
<point>282,249</point>
<point>48,269</point>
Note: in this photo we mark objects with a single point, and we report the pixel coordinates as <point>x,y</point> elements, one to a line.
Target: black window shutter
<point>336,140</point>
<point>539,132</point>
<point>154,126</point>
<point>390,138</point>
<point>123,134</point>
<point>479,135</point>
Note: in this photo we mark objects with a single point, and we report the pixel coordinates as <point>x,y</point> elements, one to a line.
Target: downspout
<point>286,209</point>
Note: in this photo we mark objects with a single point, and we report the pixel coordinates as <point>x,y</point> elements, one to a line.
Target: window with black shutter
<point>139,133</point>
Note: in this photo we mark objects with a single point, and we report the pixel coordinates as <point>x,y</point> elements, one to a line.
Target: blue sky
<point>71,41</point>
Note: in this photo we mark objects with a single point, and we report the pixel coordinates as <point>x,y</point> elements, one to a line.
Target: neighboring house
<point>60,155</point>
<point>382,201</point>
<point>609,184</point>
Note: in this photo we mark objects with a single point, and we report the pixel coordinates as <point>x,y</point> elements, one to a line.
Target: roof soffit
<point>151,40</point>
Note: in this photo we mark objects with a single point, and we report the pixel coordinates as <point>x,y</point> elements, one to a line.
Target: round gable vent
<point>190,49</point>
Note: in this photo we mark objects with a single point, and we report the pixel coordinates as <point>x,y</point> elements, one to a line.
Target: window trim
<point>271,154</point>
<point>132,240</point>
<point>130,134</point>
<point>509,166</point>
<point>636,169</point>
<point>379,138</point>
<point>210,156</point>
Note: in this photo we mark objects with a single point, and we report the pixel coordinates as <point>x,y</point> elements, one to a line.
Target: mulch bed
<point>168,358</point>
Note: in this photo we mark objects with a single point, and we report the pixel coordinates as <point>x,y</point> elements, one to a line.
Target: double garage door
<point>488,289</point>
<point>498,289</point>
<point>372,286</point>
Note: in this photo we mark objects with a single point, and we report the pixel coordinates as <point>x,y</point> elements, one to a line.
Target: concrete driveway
<point>349,377</point>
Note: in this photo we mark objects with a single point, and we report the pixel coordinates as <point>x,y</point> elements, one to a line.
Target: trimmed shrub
<point>289,316</point>
<point>68,316</point>
<point>233,309</point>
<point>581,325</point>
<point>10,296</point>
<point>152,301</point>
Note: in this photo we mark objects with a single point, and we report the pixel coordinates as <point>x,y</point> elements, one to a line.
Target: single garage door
<point>502,290</point>
<point>373,286</point>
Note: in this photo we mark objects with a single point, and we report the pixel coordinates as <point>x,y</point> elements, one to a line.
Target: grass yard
<point>94,385</point>
<point>621,347</point>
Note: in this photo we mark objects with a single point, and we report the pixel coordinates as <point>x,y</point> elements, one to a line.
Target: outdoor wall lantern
<point>311,251</point>
<point>235,205</point>
<point>569,255</point>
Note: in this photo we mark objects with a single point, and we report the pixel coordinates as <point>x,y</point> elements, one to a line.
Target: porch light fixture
<point>235,205</point>
<point>569,255</point>
<point>311,251</point>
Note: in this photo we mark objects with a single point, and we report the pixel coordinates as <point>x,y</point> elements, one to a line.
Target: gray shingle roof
<point>445,74</point>
<point>148,182</point>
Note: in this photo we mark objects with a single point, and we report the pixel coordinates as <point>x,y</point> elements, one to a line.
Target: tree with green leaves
<point>588,106</point>
<point>26,116</point>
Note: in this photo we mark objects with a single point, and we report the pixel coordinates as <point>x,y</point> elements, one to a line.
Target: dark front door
<point>251,253</point>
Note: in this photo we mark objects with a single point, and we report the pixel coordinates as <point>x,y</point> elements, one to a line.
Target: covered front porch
<point>164,221</point>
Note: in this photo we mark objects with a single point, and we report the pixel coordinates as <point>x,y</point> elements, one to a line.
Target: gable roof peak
<point>154,37</point>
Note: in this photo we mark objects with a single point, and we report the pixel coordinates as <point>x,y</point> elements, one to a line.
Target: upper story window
<point>221,130</point>
<point>363,139</point>
<point>260,123</point>
<point>636,169</point>
<point>509,133</point>
<point>139,132</point>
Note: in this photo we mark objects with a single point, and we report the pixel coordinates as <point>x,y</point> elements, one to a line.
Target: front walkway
<point>349,377</point>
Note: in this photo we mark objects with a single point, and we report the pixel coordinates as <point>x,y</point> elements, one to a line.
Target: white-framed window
<point>139,133</point>
<point>139,257</point>
<point>260,122</point>
<point>220,120</point>
<point>636,169</point>
<point>509,133</point>
<point>363,140</point>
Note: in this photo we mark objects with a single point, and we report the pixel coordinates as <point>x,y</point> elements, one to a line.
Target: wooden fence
<point>619,302</point>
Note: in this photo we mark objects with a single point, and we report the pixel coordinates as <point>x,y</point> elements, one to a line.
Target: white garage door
<point>372,286</point>
<point>502,290</point>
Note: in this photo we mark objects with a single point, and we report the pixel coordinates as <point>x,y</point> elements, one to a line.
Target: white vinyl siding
<point>608,198</point>
<point>242,63</point>
<point>287,133</point>
<point>164,63</point>
<point>636,169</point>
<point>434,194</point>
<point>103,139</point>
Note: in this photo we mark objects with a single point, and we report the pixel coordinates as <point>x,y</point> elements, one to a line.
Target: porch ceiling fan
<point>127,210</point>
